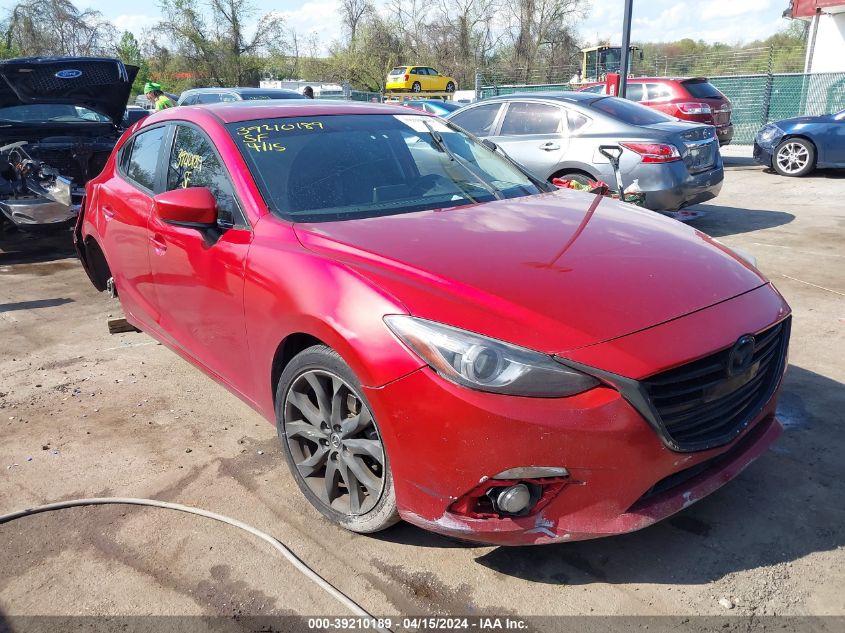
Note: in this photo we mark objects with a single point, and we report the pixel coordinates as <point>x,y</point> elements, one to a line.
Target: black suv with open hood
<point>59,121</point>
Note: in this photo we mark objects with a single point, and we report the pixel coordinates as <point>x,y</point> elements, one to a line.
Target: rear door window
<point>576,121</point>
<point>208,97</point>
<point>480,120</point>
<point>522,119</point>
<point>194,163</point>
<point>635,92</point>
<point>702,90</point>
<point>658,91</point>
<point>143,161</point>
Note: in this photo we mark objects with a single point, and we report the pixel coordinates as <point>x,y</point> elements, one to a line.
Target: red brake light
<point>406,77</point>
<point>654,152</point>
<point>694,108</point>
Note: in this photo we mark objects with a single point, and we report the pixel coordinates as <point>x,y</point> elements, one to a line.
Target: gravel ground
<point>84,413</point>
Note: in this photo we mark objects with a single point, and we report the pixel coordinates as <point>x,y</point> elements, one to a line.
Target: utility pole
<point>626,48</point>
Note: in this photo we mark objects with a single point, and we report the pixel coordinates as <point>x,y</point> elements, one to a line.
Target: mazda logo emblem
<point>742,356</point>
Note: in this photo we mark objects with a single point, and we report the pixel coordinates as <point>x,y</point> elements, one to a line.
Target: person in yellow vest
<point>160,101</point>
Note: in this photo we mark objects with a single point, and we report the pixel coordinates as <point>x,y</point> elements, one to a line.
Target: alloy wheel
<point>793,158</point>
<point>334,442</point>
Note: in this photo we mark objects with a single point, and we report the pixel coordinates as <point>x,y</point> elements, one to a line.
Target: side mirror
<point>194,207</point>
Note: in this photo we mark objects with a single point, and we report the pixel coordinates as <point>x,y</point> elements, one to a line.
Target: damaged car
<point>60,118</point>
<point>438,335</point>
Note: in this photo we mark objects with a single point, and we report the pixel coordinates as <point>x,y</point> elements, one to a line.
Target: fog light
<point>514,499</point>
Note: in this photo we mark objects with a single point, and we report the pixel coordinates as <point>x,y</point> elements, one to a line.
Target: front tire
<point>450,87</point>
<point>332,442</point>
<point>794,157</point>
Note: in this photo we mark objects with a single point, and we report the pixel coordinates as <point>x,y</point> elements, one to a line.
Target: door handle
<point>159,244</point>
<point>550,146</point>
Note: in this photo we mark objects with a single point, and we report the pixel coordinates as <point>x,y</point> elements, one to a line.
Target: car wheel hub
<point>334,442</point>
<point>793,157</point>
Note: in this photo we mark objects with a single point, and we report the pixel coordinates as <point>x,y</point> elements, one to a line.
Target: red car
<point>437,335</point>
<point>687,98</point>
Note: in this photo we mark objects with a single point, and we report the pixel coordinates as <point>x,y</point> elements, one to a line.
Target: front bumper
<point>443,440</point>
<point>763,155</point>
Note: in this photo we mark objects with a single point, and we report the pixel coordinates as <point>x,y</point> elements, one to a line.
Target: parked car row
<point>558,135</point>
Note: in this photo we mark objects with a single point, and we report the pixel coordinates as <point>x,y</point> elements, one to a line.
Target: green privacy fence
<point>757,99</point>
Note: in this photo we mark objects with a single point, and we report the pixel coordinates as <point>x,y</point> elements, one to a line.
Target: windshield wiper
<point>441,144</point>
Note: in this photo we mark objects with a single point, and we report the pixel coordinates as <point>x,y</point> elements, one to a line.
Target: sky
<point>739,21</point>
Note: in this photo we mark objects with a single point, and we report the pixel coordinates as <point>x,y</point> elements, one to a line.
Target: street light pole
<point>626,48</point>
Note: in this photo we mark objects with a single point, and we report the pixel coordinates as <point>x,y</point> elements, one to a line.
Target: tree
<point>56,27</point>
<point>214,40</point>
<point>129,52</point>
<point>352,12</point>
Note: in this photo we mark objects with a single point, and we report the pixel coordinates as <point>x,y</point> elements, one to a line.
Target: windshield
<point>318,169</point>
<point>630,112</point>
<point>40,112</point>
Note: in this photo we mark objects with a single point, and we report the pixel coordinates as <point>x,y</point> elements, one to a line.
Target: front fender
<point>290,290</point>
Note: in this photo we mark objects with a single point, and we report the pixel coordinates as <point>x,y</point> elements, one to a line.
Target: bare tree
<point>533,23</point>
<point>57,27</point>
<point>352,12</point>
<point>214,40</point>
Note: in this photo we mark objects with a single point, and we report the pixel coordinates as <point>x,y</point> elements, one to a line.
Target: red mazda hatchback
<point>437,335</point>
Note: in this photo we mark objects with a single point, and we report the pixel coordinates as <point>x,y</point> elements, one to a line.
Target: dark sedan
<point>796,147</point>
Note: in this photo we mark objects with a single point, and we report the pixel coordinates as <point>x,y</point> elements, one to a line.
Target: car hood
<point>803,120</point>
<point>552,272</point>
<point>101,84</point>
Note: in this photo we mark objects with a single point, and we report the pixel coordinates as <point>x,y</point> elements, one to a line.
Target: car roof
<point>237,111</point>
<point>642,79</point>
<point>237,90</point>
<point>556,95</point>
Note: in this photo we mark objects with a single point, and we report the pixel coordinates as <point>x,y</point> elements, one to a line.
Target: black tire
<point>450,87</point>
<point>351,447</point>
<point>578,177</point>
<point>416,87</point>
<point>794,157</point>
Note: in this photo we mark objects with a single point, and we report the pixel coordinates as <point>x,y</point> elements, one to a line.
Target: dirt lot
<point>84,414</point>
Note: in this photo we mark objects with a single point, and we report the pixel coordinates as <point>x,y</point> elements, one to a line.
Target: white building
<point>826,39</point>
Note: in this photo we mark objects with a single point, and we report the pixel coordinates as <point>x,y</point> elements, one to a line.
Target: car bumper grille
<point>699,405</point>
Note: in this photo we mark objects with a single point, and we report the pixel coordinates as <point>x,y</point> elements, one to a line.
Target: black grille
<point>41,79</point>
<point>699,405</point>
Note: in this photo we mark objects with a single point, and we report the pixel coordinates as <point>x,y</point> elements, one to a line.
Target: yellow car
<point>418,79</point>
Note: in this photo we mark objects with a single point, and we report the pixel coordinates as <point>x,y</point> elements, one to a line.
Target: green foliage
<point>128,51</point>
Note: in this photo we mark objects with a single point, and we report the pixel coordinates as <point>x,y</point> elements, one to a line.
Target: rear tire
<point>794,157</point>
<point>576,176</point>
<point>332,442</point>
<point>416,87</point>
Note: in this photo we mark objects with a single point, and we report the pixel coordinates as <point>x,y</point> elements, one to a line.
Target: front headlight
<point>487,364</point>
<point>768,134</point>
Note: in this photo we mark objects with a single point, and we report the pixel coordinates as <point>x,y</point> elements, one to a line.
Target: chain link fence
<point>764,84</point>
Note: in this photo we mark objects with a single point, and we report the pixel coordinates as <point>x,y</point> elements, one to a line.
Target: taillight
<point>654,152</point>
<point>694,108</point>
<point>407,77</point>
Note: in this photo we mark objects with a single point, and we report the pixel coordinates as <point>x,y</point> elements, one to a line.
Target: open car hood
<point>100,84</point>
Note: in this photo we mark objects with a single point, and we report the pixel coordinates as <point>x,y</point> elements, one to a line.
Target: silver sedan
<point>558,135</point>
